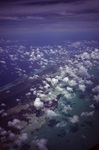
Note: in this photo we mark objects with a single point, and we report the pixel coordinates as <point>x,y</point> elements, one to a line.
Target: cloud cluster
<point>21,138</point>
<point>87,114</point>
<point>83,72</point>
<point>6,135</point>
<point>11,136</point>
<point>15,123</point>
<point>54,81</point>
<point>96,97</point>
<point>72,83</point>
<point>69,89</point>
<point>74,119</point>
<point>96,89</point>
<point>66,108</point>
<point>40,143</point>
<point>68,95</point>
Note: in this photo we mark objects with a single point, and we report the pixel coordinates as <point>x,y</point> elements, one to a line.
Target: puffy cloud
<point>96,89</point>
<point>85,55</point>
<point>43,96</point>
<point>11,136</point>
<point>14,123</point>
<point>66,108</point>
<point>38,104</point>
<point>3,62</point>
<point>75,44</point>
<point>59,89</point>
<point>58,77</point>
<point>47,86</point>
<point>51,113</point>
<point>3,105</point>
<point>87,113</point>
<point>48,79</point>
<point>18,100</point>
<point>92,106</point>
<point>51,96</point>
<point>23,137</point>
<point>28,94</point>
<point>38,56</point>
<point>1,111</point>
<point>62,73</point>
<point>96,50</point>
<point>89,82</point>
<point>82,87</point>
<point>74,119</point>
<point>54,81</point>
<point>32,89</point>
<point>44,82</point>
<point>61,124</point>
<point>66,79</point>
<point>34,92</point>
<point>88,63</point>
<point>67,95</point>
<point>95,54</point>
<point>72,74</point>
<point>33,77</point>
<point>3,132</point>
<point>72,83</point>
<point>69,89</point>
<point>4,114</point>
<point>83,72</point>
<point>81,81</point>
<point>96,98</point>
<point>41,144</point>
<point>68,69</point>
<point>26,53</point>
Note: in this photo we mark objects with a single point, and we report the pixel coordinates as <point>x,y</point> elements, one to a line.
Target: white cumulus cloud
<point>83,72</point>
<point>74,119</point>
<point>66,79</point>
<point>38,104</point>
<point>96,98</point>
<point>72,83</point>
<point>96,89</point>
<point>82,87</point>
<point>40,143</point>
<point>54,81</point>
<point>51,113</point>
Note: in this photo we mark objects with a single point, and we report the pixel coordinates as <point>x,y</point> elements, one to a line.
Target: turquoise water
<point>73,136</point>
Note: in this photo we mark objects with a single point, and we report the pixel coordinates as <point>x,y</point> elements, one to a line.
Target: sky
<point>36,17</point>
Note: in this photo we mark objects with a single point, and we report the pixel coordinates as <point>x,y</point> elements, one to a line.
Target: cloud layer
<point>68,16</point>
